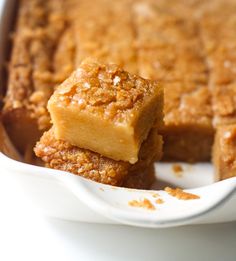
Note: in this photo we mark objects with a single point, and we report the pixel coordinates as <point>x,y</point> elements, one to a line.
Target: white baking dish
<point>60,194</point>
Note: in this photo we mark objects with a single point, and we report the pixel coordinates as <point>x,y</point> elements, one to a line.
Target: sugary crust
<point>160,54</point>
<point>105,31</point>
<point>107,91</point>
<point>39,27</point>
<point>187,104</point>
<point>170,65</point>
<point>61,155</point>
<point>182,67</point>
<point>224,104</point>
<point>219,44</point>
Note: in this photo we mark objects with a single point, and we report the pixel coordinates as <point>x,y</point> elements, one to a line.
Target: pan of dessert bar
<point>195,182</point>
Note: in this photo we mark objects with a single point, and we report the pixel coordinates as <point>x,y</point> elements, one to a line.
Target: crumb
<point>145,203</point>
<point>101,189</point>
<point>155,195</point>
<point>180,194</point>
<point>159,201</point>
<point>177,169</point>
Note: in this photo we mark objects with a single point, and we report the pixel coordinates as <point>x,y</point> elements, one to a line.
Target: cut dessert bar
<point>106,109</point>
<point>61,155</point>
<point>224,152</point>
<point>188,132</point>
<point>219,42</point>
<point>220,47</point>
<point>39,27</point>
<point>169,49</point>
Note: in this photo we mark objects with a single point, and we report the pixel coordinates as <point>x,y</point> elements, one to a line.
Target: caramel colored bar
<point>39,26</point>
<point>188,131</point>
<point>58,154</point>
<point>169,49</point>
<point>224,152</point>
<point>218,34</point>
<point>106,109</point>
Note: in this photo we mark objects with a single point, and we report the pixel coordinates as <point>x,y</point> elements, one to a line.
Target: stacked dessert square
<point>105,125</point>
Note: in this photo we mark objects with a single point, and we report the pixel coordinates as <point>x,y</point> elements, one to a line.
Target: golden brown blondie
<point>218,34</point>
<point>170,50</point>
<point>39,27</point>
<point>61,155</point>
<point>188,132</point>
<point>105,109</point>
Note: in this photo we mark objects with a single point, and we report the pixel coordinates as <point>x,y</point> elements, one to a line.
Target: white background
<point>28,236</point>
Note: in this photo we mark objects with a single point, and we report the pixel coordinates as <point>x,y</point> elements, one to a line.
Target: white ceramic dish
<point>67,196</point>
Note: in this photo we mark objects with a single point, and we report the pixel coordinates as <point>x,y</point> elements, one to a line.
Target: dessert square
<point>188,132</point>
<point>61,155</point>
<point>170,50</point>
<point>39,26</point>
<point>219,43</point>
<point>106,109</point>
